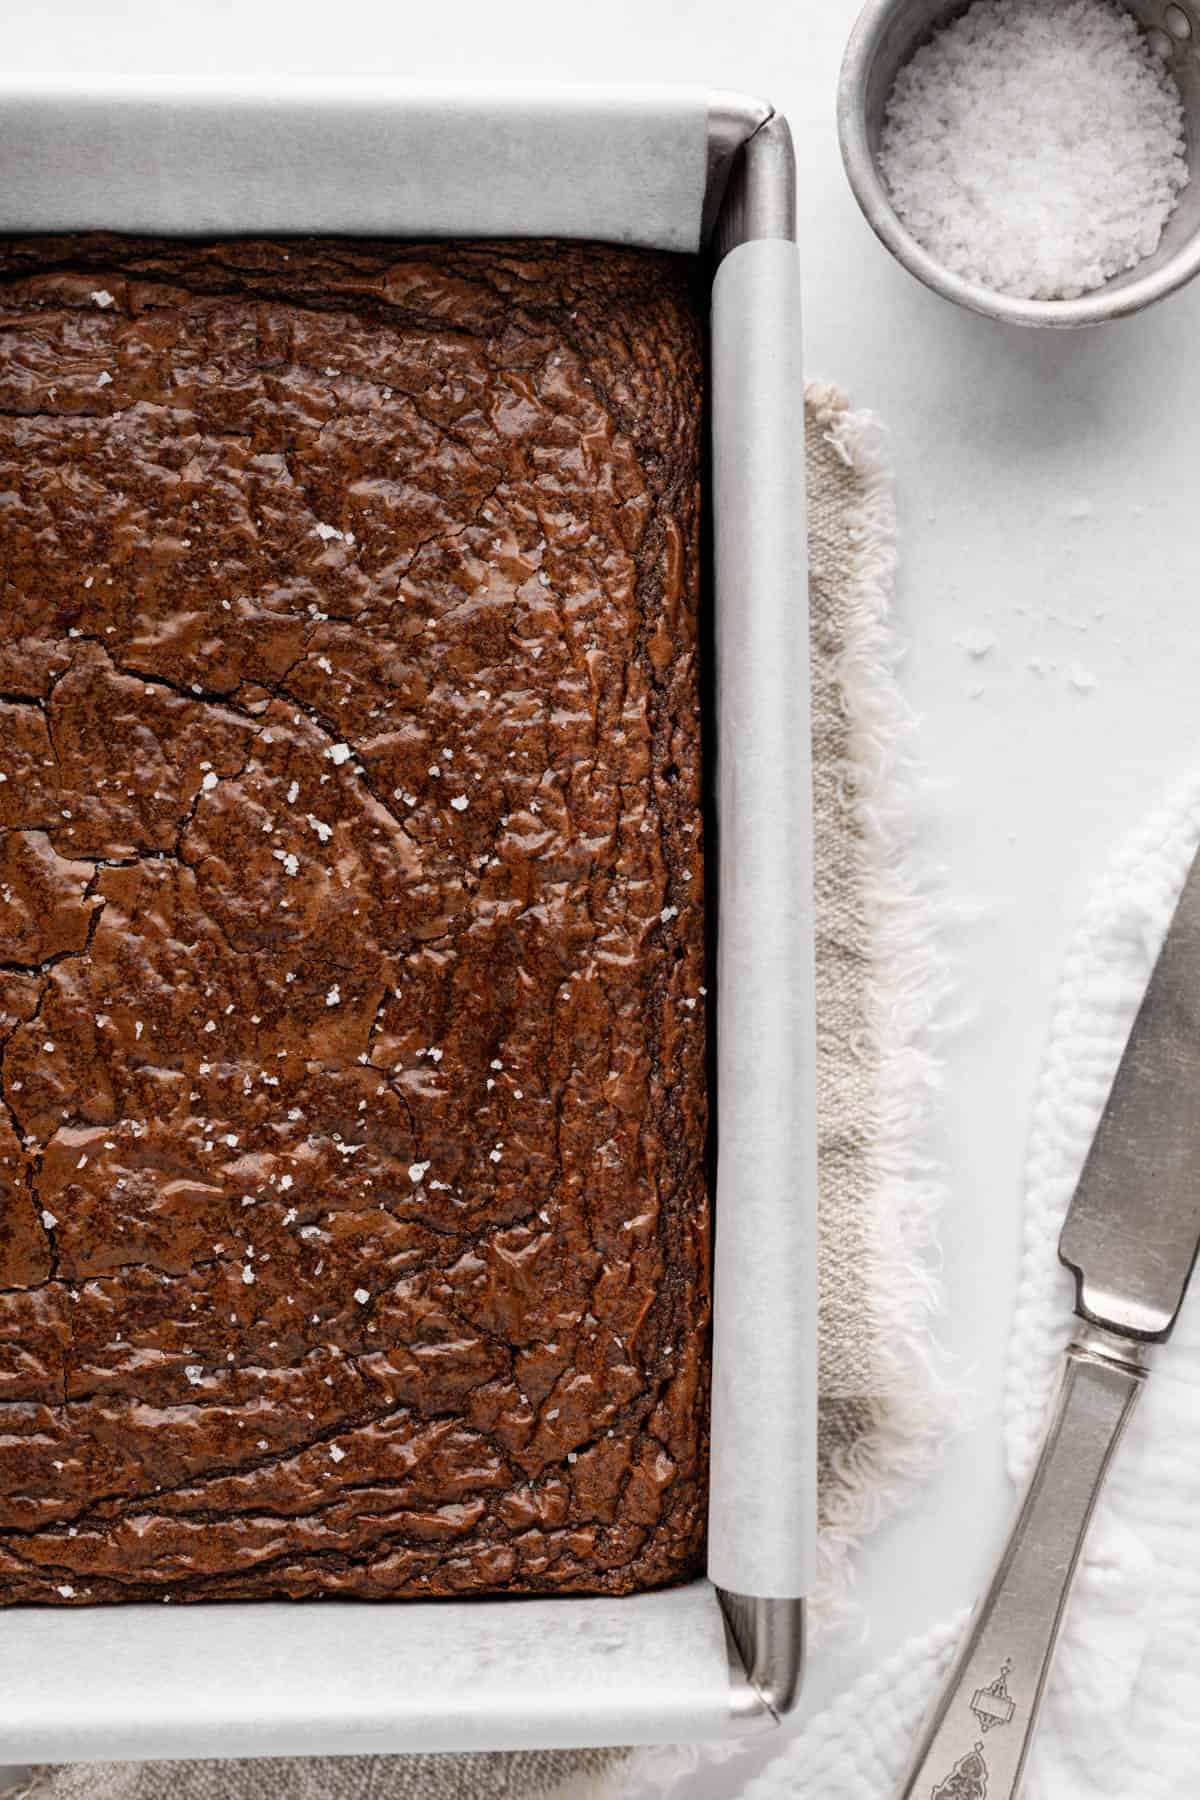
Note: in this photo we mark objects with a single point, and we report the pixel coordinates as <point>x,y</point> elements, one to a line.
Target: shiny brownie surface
<point>353,1215</point>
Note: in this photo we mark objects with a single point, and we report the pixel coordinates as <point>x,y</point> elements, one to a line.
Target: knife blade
<point>1133,1226</point>
<point>1130,1238</point>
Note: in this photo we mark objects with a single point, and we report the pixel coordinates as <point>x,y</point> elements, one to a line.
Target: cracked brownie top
<point>353,1219</point>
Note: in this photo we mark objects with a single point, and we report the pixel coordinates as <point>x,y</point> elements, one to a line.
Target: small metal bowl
<point>887,34</point>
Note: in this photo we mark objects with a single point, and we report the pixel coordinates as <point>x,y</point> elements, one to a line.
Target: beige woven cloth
<point>881,1405</point>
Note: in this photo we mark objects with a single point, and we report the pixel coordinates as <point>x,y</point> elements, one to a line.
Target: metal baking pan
<point>719,1657</point>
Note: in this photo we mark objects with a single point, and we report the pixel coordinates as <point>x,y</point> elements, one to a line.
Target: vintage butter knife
<point>1130,1238</point>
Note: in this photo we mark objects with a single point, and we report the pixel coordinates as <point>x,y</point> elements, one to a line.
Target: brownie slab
<point>353,1215</point>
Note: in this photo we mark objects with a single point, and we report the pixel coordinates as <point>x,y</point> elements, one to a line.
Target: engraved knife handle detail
<point>976,1738</point>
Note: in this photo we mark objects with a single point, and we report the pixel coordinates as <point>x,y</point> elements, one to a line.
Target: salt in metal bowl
<point>886,36</point>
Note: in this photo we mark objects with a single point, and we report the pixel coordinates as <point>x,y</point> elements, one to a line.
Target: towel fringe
<point>914,1404</point>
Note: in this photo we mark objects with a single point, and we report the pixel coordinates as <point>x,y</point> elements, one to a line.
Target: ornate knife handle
<point>976,1738</point>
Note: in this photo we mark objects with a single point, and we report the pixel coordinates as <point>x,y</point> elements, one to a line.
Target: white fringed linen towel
<point>1122,1713</point>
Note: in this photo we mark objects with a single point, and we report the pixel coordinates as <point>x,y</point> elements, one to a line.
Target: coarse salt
<point>1036,147</point>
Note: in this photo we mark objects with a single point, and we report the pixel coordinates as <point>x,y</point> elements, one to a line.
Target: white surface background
<point>1050,495</point>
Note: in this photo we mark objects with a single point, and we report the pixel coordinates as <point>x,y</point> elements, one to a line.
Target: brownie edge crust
<point>354,1231</point>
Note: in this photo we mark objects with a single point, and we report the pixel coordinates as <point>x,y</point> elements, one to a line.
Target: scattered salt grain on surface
<point>339,753</point>
<point>101,297</point>
<point>1036,147</point>
<point>336,1453</point>
<point>48,1219</point>
<point>103,378</point>
<point>976,643</point>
